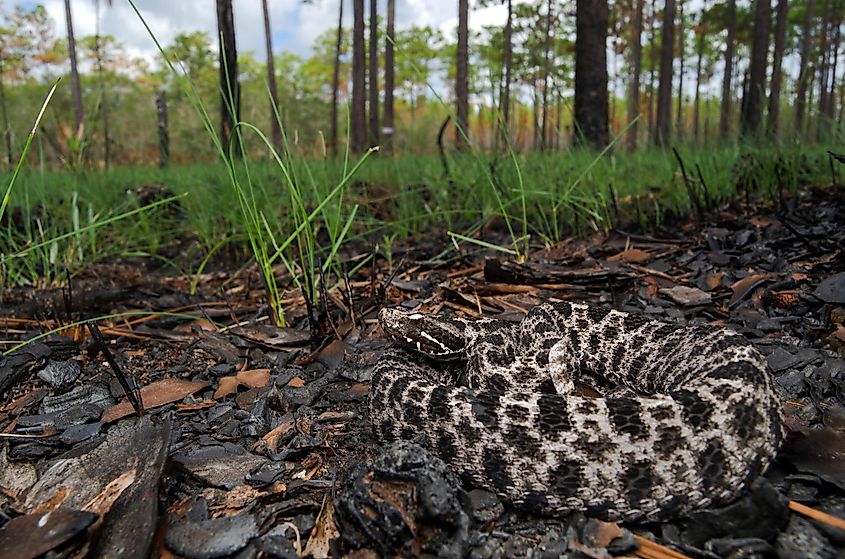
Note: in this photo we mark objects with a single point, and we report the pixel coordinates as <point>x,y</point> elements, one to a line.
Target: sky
<point>295,24</point>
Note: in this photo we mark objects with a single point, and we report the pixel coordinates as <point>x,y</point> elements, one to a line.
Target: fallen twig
<point>653,550</point>
<point>809,512</point>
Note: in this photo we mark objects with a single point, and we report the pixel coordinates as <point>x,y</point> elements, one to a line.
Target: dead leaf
<point>196,406</point>
<point>633,255</point>
<point>253,378</point>
<point>714,280</point>
<point>296,382</point>
<point>744,286</point>
<point>33,535</point>
<point>324,531</point>
<point>837,339</point>
<point>270,441</point>
<point>687,296</point>
<point>155,395</point>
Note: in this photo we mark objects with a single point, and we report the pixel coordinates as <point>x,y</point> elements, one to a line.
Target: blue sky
<point>295,24</point>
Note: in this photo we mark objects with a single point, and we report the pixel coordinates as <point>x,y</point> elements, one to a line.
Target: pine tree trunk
<point>389,76</point>
<point>652,65</point>
<point>727,90</point>
<point>752,116</point>
<point>833,67</point>
<point>7,130</point>
<point>76,88</point>
<point>821,124</point>
<point>333,139</point>
<point>506,93</point>
<point>358,118</point>
<point>462,76</point>
<point>696,106</point>
<point>804,72</point>
<point>547,47</point>
<point>161,125</point>
<point>101,79</point>
<point>777,62</point>
<point>636,66</point>
<point>663,122</point>
<point>271,79</point>
<point>230,103</point>
<point>591,96</point>
<point>372,82</point>
<point>679,116</point>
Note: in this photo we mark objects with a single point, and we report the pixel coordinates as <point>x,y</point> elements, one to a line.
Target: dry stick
<point>131,389</point>
<point>828,519</point>
<point>653,550</point>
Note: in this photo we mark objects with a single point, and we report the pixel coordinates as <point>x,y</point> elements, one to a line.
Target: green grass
<point>387,198</point>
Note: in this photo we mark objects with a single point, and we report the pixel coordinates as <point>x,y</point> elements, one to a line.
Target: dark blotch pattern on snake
<point>688,416</point>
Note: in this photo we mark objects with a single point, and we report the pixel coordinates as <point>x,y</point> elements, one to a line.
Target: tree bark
<point>696,106</point>
<point>389,76</point>
<point>821,126</point>
<point>679,116</point>
<point>663,122</point>
<point>462,76</point>
<point>358,118</point>
<point>837,36</point>
<point>752,117</point>
<point>372,81</point>
<point>7,130</point>
<point>804,72</point>
<point>591,96</point>
<point>163,136</point>
<point>547,48</point>
<point>76,88</point>
<point>271,79</point>
<point>727,91</point>
<point>230,103</point>
<point>104,105</point>
<point>333,138</point>
<point>505,101</point>
<point>636,66</point>
<point>652,64</point>
<point>777,62</point>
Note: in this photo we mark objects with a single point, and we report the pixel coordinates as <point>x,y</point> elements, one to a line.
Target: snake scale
<point>686,416</point>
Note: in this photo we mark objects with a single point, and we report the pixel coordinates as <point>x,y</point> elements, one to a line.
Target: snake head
<point>436,337</point>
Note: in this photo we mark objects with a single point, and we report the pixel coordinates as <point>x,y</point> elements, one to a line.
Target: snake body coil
<point>687,417</point>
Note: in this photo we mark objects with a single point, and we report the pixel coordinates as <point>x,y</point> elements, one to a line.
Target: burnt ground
<point>255,439</point>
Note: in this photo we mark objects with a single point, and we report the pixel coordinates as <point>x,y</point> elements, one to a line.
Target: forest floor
<point>255,440</point>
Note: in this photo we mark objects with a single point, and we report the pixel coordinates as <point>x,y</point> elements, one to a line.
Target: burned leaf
<point>633,255</point>
<point>324,531</point>
<point>687,296</point>
<point>254,378</point>
<point>743,287</point>
<point>296,382</point>
<point>214,537</point>
<point>102,503</point>
<point>273,337</point>
<point>832,289</point>
<point>154,395</point>
<point>33,535</point>
<point>820,452</point>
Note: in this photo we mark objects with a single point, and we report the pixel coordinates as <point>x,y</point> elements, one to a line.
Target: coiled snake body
<point>687,417</point>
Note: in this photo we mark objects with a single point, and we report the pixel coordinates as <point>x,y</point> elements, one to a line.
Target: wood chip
<point>155,395</point>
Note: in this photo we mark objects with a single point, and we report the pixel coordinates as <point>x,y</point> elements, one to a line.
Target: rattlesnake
<point>687,416</point>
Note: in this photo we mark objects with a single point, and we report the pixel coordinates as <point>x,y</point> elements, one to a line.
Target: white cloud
<point>295,25</point>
